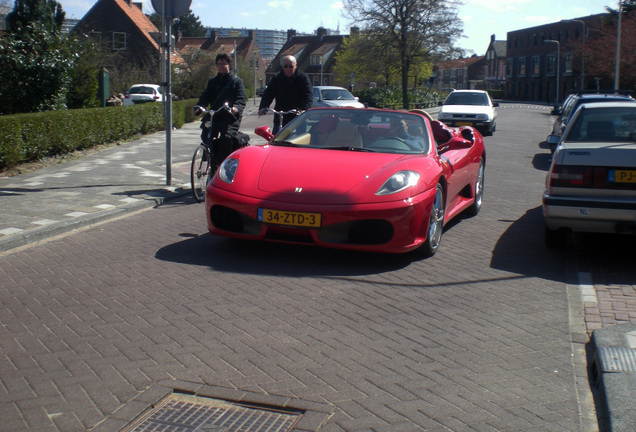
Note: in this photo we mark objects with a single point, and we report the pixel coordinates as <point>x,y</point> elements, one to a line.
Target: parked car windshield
<point>336,94</point>
<point>611,124</point>
<point>461,98</point>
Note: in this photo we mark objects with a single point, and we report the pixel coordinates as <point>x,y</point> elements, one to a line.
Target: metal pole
<point>255,69</point>
<point>618,47</point>
<point>167,92</point>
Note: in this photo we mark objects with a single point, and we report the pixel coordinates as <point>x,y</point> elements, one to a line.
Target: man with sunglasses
<point>292,90</point>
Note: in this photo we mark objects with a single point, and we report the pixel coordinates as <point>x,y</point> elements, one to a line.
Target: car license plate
<point>464,124</point>
<point>287,218</point>
<point>622,176</point>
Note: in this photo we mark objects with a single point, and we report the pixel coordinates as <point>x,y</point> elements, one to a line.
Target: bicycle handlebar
<point>291,111</point>
<point>198,109</point>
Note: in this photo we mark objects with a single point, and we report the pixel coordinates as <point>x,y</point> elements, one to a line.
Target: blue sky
<point>482,18</point>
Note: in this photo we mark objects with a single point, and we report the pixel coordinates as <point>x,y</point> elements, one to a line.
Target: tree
<point>600,50</point>
<point>358,55</point>
<point>40,69</point>
<point>48,13</point>
<point>415,29</point>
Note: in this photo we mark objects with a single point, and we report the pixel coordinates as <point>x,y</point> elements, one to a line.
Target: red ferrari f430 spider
<point>350,178</point>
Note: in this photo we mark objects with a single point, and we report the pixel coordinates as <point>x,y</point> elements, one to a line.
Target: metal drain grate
<point>180,412</point>
<point>617,359</point>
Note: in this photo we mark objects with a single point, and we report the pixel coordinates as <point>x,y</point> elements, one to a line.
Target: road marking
<point>588,293</point>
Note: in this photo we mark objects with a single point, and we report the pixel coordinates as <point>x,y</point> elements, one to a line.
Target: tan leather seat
<point>345,135</point>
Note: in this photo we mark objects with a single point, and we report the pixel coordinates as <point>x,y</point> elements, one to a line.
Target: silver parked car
<point>332,96</point>
<point>591,184</point>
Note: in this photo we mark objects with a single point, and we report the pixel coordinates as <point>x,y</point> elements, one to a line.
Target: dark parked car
<point>566,110</point>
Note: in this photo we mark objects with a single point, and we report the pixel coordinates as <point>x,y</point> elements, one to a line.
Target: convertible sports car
<point>350,178</point>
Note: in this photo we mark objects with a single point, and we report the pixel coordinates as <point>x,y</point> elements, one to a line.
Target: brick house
<point>495,64</point>
<point>531,65</point>
<point>129,37</point>
<point>315,56</point>
<point>462,73</point>
<point>244,47</point>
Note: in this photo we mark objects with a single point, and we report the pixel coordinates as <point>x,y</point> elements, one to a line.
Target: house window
<point>522,67</point>
<point>316,60</point>
<point>536,65</point>
<point>568,63</point>
<point>316,80</point>
<point>119,41</point>
<point>509,67</point>
<point>551,65</point>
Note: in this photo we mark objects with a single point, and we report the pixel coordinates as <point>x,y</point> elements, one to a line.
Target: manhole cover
<point>181,412</point>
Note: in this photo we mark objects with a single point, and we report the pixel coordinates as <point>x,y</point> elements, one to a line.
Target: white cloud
<point>281,4</point>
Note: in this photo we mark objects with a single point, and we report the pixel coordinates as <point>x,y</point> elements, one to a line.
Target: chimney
<point>321,32</point>
<point>492,38</point>
<point>214,35</point>
<point>251,35</point>
<point>354,31</point>
<point>291,33</point>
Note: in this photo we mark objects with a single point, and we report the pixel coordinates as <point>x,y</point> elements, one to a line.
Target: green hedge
<point>31,137</point>
<point>391,97</point>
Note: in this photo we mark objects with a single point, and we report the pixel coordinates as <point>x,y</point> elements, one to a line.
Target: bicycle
<point>281,114</point>
<point>203,162</point>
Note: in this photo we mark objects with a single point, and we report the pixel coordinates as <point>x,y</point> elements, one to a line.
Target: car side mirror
<point>495,104</point>
<point>553,139</point>
<point>264,132</point>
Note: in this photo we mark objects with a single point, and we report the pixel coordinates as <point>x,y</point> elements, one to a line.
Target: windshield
<point>467,98</point>
<point>357,130</point>
<point>336,94</point>
<point>611,124</point>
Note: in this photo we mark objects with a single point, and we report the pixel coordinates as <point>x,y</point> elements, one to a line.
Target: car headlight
<point>482,117</point>
<point>398,182</point>
<point>443,115</point>
<point>227,170</point>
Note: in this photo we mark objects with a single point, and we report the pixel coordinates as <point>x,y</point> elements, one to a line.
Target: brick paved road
<point>96,324</point>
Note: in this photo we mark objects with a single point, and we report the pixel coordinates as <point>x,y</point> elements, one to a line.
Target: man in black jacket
<point>291,89</point>
<point>224,87</point>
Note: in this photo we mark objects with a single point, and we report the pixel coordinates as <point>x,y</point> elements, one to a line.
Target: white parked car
<point>331,96</point>
<point>470,108</point>
<point>591,185</point>
<point>142,93</point>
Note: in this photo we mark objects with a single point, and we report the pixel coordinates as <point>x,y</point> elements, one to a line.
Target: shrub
<point>31,137</point>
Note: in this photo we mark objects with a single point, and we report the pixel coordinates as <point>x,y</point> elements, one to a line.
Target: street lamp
<point>582,51</point>
<point>558,60</point>
<point>254,64</point>
<point>618,47</point>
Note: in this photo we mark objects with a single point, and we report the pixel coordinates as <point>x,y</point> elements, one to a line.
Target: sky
<point>482,18</point>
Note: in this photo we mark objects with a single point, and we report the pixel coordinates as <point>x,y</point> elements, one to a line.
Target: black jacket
<point>220,89</point>
<point>296,92</point>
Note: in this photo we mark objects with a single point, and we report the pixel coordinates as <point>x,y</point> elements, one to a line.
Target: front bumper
<point>391,227</point>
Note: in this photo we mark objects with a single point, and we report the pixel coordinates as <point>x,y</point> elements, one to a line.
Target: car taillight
<point>578,176</point>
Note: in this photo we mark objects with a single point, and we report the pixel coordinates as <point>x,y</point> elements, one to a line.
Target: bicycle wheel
<point>199,172</point>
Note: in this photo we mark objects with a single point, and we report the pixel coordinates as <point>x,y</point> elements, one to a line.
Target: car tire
<point>474,208</point>
<point>435,225</point>
<point>555,238</point>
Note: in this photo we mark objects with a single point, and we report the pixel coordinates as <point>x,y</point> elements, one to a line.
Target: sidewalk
<point>101,186</point>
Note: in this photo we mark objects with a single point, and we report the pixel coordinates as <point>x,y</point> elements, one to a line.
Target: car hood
<point>318,172</point>
<point>463,109</point>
